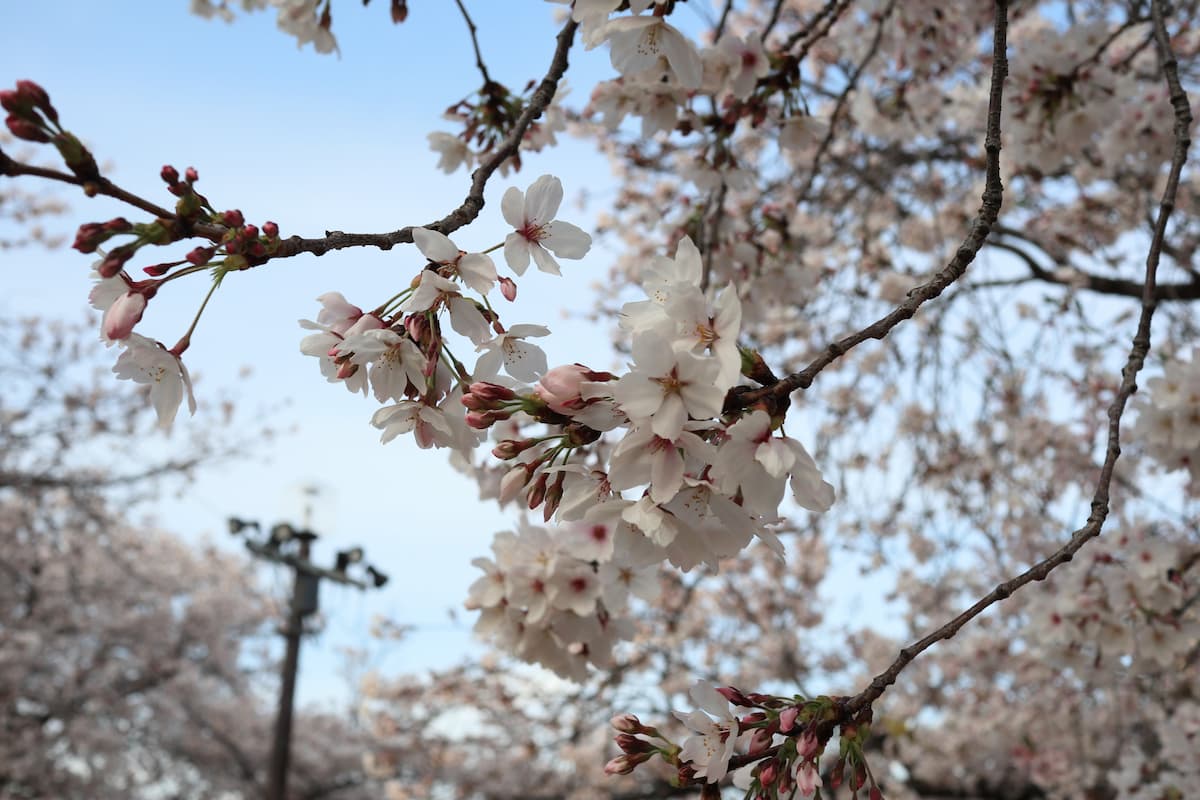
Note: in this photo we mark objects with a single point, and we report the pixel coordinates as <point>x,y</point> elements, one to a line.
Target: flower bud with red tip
<point>508,288</point>
<point>38,98</point>
<point>22,128</point>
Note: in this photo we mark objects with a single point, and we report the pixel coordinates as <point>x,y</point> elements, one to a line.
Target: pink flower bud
<point>626,723</point>
<point>807,745</point>
<point>511,448</point>
<point>768,773</point>
<point>480,420</point>
<point>24,129</point>
<point>270,230</point>
<point>191,175</point>
<point>787,719</point>
<point>491,392</point>
<point>553,497</point>
<point>538,493</point>
<point>621,765</point>
<point>508,288</point>
<point>114,261</point>
<point>560,388</point>
<point>169,174</point>
<point>632,744</point>
<point>233,218</point>
<point>201,255</point>
<point>122,315</point>
<point>37,96</point>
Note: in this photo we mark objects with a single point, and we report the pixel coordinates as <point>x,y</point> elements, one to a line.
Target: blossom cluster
<point>780,739</point>
<point>705,483</point>
<point>1168,416</point>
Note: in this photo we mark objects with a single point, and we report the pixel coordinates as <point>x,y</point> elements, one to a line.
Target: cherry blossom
<point>147,362</point>
<point>538,233</point>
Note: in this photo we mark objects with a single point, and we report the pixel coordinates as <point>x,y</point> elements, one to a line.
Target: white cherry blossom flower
<point>452,151</point>
<point>711,744</point>
<point>147,362</point>
<point>522,360</point>
<point>475,269</point>
<point>465,316</point>
<point>428,424</point>
<point>640,44</point>
<point>537,233</point>
<point>395,361</point>
<point>667,386</point>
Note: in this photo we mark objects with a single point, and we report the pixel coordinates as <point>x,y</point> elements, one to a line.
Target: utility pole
<point>291,547</point>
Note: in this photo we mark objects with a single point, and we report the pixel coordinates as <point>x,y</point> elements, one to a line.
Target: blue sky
<point>312,142</point>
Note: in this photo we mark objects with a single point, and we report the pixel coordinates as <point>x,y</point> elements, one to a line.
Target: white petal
<point>435,246</point>
<point>545,262</point>
<point>567,240</point>
<point>543,199</point>
<point>512,206</point>
<point>516,252</point>
<point>524,361</point>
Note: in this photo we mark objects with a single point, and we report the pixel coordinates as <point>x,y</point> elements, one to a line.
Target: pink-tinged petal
<point>689,265</point>
<point>652,355</point>
<point>336,309</point>
<point>186,377</point>
<point>682,56</point>
<point>567,240</point>
<point>668,420</point>
<point>775,456</point>
<point>512,206</point>
<point>123,315</point>
<point>478,271</point>
<point>543,199</point>
<point>435,246</point>
<point>524,361</point>
<point>545,262</point>
<point>516,253</point>
<point>638,396</point>
<point>666,475</point>
<point>466,319</point>
<point>524,330</point>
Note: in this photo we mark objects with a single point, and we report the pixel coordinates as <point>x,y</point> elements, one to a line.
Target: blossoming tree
<point>133,664</point>
<point>887,278</point>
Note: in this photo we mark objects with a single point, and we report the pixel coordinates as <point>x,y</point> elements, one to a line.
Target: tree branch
<point>473,203</point>
<point>993,194</point>
<point>1139,349</point>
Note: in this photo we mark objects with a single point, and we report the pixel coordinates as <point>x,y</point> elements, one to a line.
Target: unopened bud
<point>632,744</point>
<point>270,230</point>
<point>626,723</point>
<point>36,95</point>
<point>554,496</point>
<point>538,493</point>
<point>233,218</point>
<point>875,794</point>
<point>768,773</point>
<point>201,255</point>
<point>511,448</point>
<point>191,175</point>
<point>625,763</point>
<point>508,288</point>
<point>169,174</point>
<point>735,696</point>
<point>24,129</point>
<point>491,392</point>
<point>787,719</point>
<point>114,261</point>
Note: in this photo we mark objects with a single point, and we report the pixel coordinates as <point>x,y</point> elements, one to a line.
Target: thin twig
<point>470,207</point>
<point>1139,349</point>
<point>474,42</point>
<point>989,210</point>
